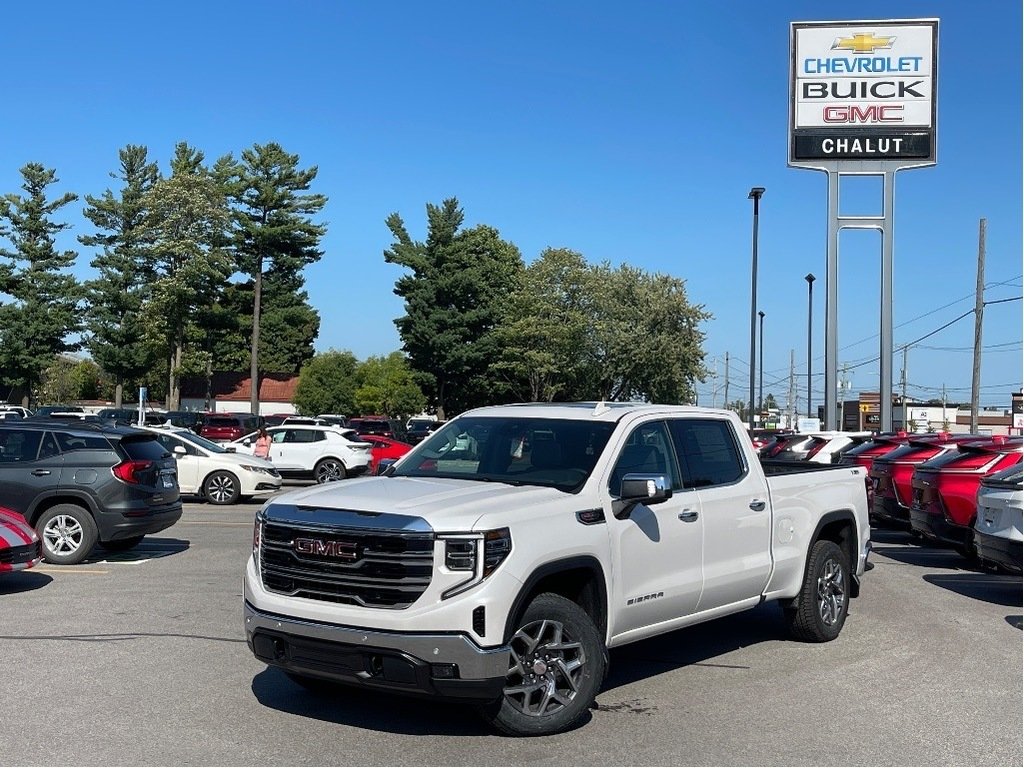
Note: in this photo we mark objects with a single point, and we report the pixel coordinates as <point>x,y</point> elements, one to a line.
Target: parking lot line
<point>69,570</point>
<point>212,522</point>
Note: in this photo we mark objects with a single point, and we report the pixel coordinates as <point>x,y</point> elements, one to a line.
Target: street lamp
<point>760,386</point>
<point>755,195</point>
<point>810,288</point>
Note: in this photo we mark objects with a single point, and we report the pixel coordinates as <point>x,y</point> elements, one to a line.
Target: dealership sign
<point>863,90</point>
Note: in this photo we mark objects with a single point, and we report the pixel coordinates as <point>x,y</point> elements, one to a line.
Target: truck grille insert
<point>376,569</point>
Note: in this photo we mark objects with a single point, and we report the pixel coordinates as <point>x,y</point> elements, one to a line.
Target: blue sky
<point>630,132</point>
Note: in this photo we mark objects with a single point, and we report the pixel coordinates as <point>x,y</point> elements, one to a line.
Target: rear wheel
<point>67,532</point>
<point>818,613</point>
<point>556,666</point>
<point>329,470</point>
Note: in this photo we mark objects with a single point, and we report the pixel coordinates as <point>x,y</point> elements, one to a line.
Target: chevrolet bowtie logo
<point>862,43</point>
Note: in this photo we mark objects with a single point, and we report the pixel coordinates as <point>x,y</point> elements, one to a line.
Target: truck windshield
<point>556,453</point>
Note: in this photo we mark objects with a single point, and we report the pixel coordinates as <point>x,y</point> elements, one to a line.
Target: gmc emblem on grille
<point>343,550</point>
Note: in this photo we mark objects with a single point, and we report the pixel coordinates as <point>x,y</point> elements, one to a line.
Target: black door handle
<point>40,472</point>
<point>757,505</point>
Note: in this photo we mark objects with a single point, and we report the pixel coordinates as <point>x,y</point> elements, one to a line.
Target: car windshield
<point>556,453</point>
<point>202,442</point>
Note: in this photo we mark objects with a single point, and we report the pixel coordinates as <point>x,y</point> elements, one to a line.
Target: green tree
<point>44,312</point>
<point>273,231</point>
<point>327,384</point>
<point>452,296</point>
<point>386,386</point>
<point>740,407</point>
<point>114,300</point>
<point>769,403</point>
<point>188,216</point>
<point>544,326</point>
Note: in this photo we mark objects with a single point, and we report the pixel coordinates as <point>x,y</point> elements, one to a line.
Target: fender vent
<point>479,621</point>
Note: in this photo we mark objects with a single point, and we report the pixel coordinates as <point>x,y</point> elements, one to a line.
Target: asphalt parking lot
<point>142,661</point>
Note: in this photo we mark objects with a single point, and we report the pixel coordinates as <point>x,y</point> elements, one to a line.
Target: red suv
<point>945,489</point>
<point>892,473</point>
<point>866,450</point>
<point>225,427</point>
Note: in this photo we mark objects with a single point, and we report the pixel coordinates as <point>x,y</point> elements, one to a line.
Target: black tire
<point>122,545</point>
<point>67,532</point>
<point>556,667</point>
<point>819,612</point>
<point>221,487</point>
<point>329,470</point>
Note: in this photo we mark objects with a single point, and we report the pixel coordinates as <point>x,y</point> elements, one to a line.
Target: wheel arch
<point>838,526</point>
<point>580,579</point>
<point>47,501</point>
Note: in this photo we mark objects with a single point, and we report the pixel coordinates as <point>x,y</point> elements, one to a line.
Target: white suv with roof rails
<point>312,451</point>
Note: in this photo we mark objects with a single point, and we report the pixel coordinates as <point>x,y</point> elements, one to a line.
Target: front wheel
<point>221,487</point>
<point>329,470</point>
<point>819,612</point>
<point>556,666</point>
<point>68,534</point>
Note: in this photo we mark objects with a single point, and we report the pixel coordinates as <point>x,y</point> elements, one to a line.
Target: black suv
<point>78,484</point>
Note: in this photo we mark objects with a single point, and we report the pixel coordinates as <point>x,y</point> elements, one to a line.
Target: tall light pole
<point>810,290</point>
<point>755,195</point>
<point>760,385</point>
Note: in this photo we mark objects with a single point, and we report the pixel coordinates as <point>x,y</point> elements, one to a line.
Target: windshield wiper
<point>504,480</point>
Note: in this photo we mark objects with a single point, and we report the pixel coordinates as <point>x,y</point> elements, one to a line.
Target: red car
<point>892,473</point>
<point>945,490</point>
<point>19,544</point>
<point>384,448</point>
<point>225,427</point>
<point>866,450</point>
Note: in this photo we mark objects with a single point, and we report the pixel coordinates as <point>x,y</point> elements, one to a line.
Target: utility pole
<point>714,386</point>
<point>979,312</point>
<point>792,388</point>
<point>906,428</point>
<point>843,384</point>
<point>726,403</point>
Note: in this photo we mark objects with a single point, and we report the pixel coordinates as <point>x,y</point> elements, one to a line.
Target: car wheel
<point>122,545</point>
<point>221,487</point>
<point>329,470</point>
<point>557,662</point>
<point>67,532</point>
<point>818,613</point>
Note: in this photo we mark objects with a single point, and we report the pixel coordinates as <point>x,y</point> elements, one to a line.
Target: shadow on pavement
<point>22,581</point>
<point>359,708</point>
<point>924,556</point>
<point>989,588</point>
<point>150,548</point>
<point>695,646</point>
<point>1016,621</point>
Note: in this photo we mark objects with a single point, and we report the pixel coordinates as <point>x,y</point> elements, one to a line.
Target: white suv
<point>323,453</point>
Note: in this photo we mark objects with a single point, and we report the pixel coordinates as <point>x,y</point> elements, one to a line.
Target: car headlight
<point>252,468</point>
<point>477,554</point>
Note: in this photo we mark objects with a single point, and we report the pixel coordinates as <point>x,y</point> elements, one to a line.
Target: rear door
<point>734,507</point>
<point>27,471</point>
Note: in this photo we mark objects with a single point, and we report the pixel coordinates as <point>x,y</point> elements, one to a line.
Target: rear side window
<point>221,423</point>
<point>143,449</point>
<point>707,452</point>
<point>70,443</point>
<point>19,445</point>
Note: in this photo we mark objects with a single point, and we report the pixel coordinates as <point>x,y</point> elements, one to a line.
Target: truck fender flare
<point>584,562</point>
<point>836,516</point>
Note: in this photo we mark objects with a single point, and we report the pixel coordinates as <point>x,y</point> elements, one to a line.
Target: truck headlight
<point>476,554</point>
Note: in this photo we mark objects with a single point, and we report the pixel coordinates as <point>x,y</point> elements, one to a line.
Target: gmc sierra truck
<point>500,559</point>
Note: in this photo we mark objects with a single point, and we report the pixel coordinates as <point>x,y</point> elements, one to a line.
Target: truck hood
<point>447,505</point>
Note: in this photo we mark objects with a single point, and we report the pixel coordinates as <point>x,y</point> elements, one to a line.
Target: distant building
<point>230,392</point>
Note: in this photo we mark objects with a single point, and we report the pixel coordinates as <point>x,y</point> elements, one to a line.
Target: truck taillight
<point>477,554</point>
<point>128,471</point>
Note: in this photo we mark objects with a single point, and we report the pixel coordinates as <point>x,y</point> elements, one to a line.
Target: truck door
<point>657,550</point>
<point>734,507</point>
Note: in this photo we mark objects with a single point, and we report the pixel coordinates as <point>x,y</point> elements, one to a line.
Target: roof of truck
<point>598,411</point>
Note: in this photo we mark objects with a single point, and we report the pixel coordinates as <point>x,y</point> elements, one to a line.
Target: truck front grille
<point>376,569</point>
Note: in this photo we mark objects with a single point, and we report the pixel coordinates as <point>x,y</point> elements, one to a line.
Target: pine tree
<point>37,325</point>
<point>125,264</point>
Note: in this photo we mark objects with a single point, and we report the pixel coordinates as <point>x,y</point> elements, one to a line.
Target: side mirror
<point>640,489</point>
<point>179,450</point>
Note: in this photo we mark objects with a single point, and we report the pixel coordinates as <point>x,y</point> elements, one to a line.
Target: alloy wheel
<point>63,535</point>
<point>831,592</point>
<point>329,471</point>
<point>546,669</point>
<point>221,489</point>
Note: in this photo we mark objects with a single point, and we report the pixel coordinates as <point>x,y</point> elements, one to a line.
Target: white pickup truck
<point>500,559</point>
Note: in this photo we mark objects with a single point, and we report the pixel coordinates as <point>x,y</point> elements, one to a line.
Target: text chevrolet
<point>500,559</point>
